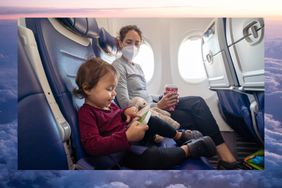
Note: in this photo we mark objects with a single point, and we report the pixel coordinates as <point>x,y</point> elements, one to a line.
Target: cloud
<point>148,182</point>
<point>273,76</point>
<point>3,56</point>
<point>8,150</point>
<point>273,47</point>
<point>226,179</point>
<point>8,60</point>
<point>273,137</point>
<point>8,45</point>
<point>8,94</point>
<point>8,80</point>
<point>272,124</point>
<point>114,185</point>
<point>177,186</point>
<point>157,179</point>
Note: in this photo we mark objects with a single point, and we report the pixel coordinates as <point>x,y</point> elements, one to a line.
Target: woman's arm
<point>168,100</point>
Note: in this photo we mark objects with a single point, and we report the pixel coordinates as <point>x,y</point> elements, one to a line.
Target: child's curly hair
<point>89,74</point>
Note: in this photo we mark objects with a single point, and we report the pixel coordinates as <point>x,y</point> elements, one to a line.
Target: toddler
<point>106,129</point>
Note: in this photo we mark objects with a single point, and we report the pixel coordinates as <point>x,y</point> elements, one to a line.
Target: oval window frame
<point>204,75</point>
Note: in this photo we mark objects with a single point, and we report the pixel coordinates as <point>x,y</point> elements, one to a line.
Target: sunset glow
<point>156,8</point>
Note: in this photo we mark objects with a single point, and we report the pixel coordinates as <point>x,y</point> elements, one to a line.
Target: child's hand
<point>136,131</point>
<point>131,113</point>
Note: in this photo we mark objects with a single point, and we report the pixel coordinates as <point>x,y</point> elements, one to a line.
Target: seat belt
<point>254,110</point>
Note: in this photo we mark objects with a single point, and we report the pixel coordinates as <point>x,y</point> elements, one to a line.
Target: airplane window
<point>145,59</point>
<point>190,63</point>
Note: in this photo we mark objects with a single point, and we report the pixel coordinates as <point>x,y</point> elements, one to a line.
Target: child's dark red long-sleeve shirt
<point>102,131</point>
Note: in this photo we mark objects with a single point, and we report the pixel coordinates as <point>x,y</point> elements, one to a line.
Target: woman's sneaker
<point>203,146</point>
<point>188,135</point>
<point>236,165</point>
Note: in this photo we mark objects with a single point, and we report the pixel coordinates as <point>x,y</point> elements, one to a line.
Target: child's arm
<point>135,131</point>
<point>96,144</point>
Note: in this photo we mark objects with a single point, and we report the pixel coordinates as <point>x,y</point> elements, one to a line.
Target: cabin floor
<point>239,146</point>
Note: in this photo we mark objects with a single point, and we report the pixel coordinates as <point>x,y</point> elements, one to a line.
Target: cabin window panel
<point>190,62</point>
<point>145,58</point>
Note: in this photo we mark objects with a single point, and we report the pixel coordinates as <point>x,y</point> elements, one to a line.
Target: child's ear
<point>86,89</point>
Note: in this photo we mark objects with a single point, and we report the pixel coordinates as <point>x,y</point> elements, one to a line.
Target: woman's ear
<point>119,44</point>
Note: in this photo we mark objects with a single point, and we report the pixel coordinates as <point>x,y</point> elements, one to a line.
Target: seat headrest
<point>83,26</point>
<point>88,27</point>
<point>107,42</point>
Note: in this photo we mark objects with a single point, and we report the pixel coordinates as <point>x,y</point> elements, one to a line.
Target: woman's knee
<point>199,99</point>
<point>191,101</point>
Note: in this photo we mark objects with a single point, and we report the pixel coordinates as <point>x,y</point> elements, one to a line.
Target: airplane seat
<point>233,61</point>
<point>102,41</point>
<point>107,42</point>
<point>40,145</point>
<point>245,43</point>
<point>63,45</point>
<point>62,51</point>
<point>234,108</point>
<point>244,113</point>
<point>86,28</point>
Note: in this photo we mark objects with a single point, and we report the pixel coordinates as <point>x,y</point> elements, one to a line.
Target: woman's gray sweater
<point>131,82</point>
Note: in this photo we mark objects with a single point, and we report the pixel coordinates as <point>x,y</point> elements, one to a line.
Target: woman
<point>190,109</point>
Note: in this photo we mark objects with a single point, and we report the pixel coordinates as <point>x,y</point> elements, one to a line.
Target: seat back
<point>245,41</point>
<point>62,52</point>
<point>220,73</point>
<point>40,141</point>
<point>232,51</point>
<point>64,44</point>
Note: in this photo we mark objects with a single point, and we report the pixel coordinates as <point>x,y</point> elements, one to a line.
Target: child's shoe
<point>188,135</point>
<point>203,146</point>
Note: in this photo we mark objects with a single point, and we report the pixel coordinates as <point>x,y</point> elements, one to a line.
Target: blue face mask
<point>129,52</point>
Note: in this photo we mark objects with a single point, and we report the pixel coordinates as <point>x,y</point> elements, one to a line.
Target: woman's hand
<point>136,131</point>
<point>131,113</point>
<point>168,100</point>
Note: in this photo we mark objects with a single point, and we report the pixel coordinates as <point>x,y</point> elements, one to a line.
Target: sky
<point>11,177</point>
<point>133,4</point>
<point>161,8</point>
